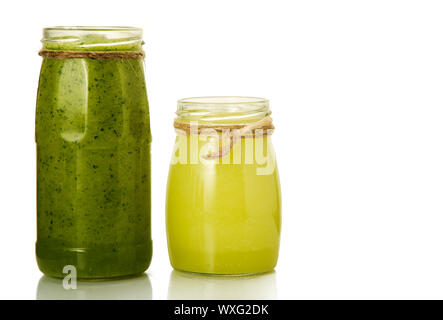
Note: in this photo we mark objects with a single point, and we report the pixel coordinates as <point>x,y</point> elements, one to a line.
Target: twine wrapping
<point>230,132</point>
<point>95,55</point>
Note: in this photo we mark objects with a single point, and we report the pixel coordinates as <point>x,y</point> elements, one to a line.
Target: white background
<point>356,93</point>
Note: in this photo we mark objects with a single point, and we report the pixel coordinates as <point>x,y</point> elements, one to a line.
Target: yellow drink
<point>222,216</point>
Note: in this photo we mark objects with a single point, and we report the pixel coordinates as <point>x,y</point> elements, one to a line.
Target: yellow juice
<point>224,217</point>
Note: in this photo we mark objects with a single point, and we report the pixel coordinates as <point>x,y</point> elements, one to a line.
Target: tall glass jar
<point>93,153</point>
<point>223,196</point>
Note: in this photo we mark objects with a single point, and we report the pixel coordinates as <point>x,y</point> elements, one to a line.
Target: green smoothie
<point>93,157</point>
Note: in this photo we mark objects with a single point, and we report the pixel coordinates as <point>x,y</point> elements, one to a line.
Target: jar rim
<point>91,36</point>
<point>222,109</point>
<point>92,28</point>
<point>218,100</point>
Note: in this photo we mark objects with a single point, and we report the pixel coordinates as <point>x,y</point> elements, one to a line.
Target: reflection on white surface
<point>137,288</point>
<point>189,286</point>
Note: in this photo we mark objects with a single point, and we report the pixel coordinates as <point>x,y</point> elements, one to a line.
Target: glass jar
<point>93,153</point>
<point>223,196</point>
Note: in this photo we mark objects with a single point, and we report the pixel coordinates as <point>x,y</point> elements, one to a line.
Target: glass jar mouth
<point>93,28</point>
<point>222,109</point>
<point>222,100</point>
<point>91,37</point>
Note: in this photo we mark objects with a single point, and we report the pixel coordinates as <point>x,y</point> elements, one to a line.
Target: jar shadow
<point>189,286</point>
<point>136,288</point>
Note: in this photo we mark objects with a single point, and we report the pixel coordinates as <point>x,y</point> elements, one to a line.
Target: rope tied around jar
<point>230,132</point>
<point>95,55</point>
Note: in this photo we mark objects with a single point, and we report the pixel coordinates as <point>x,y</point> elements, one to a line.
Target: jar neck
<point>92,39</point>
<point>222,110</point>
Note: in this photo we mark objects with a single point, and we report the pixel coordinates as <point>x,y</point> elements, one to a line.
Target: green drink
<point>93,154</point>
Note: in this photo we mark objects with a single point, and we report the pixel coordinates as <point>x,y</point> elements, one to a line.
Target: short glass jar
<point>93,153</point>
<point>223,207</point>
